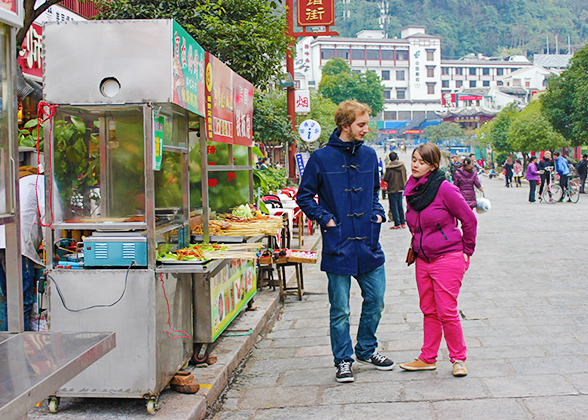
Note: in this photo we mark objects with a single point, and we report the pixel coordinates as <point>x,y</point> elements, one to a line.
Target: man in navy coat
<point>344,175</point>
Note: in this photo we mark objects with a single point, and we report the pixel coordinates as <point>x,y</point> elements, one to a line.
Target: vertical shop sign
<point>188,71</point>
<point>208,89</point>
<point>157,142</point>
<point>222,101</point>
<point>8,5</point>
<point>302,100</point>
<point>315,12</point>
<point>301,159</point>
<point>243,111</point>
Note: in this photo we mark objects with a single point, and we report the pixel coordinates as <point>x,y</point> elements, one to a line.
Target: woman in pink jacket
<point>443,255</point>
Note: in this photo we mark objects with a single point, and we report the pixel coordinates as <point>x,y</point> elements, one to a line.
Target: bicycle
<point>554,193</point>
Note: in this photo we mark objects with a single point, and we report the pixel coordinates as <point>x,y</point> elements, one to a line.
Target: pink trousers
<point>439,282</point>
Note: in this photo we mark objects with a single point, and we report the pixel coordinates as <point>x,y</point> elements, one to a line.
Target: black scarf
<point>425,194</point>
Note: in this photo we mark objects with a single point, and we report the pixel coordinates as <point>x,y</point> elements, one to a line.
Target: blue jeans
<point>373,286</point>
<point>396,207</point>
<point>28,279</point>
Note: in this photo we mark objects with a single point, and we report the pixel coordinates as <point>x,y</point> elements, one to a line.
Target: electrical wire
<point>186,335</point>
<point>93,306</point>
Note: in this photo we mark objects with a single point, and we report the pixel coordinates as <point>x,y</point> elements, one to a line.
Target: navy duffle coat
<point>345,177</point>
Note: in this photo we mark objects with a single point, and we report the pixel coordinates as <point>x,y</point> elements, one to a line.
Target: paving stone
<point>301,341</point>
<point>255,379</point>
<point>580,381</point>
<point>436,389</point>
<point>272,365</point>
<point>505,351</point>
<point>565,407</point>
<point>479,409</point>
<point>549,365</point>
<point>270,353</point>
<point>363,393</point>
<point>528,339</point>
<point>306,413</point>
<point>235,415</point>
<point>388,411</point>
<point>529,385</point>
<point>284,396</point>
<point>313,351</point>
<point>303,376</point>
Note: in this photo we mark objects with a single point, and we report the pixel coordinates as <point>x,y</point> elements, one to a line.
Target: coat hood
<point>347,146</point>
<point>467,174</point>
<point>396,165</point>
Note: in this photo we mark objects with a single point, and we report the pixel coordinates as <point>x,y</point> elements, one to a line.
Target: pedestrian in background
<point>443,255</point>
<point>545,167</point>
<point>517,168</point>
<point>454,165</point>
<point>582,169</point>
<point>508,171</point>
<point>344,175</point>
<point>396,178</point>
<point>466,179</point>
<point>563,170</point>
<point>532,177</point>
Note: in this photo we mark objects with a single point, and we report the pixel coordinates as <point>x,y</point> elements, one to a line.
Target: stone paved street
<point>525,318</point>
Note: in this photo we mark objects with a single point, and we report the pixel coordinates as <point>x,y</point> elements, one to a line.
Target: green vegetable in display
<point>243,211</point>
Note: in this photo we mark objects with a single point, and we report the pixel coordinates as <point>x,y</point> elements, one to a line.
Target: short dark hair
<point>393,156</point>
<point>430,154</point>
<point>555,153</point>
<point>533,158</point>
<point>584,156</point>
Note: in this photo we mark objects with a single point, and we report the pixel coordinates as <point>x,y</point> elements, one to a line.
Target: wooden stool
<point>266,274</point>
<point>284,289</point>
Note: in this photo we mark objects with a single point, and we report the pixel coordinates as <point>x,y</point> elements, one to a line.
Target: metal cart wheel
<point>200,353</point>
<point>151,402</point>
<point>53,404</point>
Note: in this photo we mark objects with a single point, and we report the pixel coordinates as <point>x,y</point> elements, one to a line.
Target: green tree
<point>271,124</point>
<point>248,35</point>
<point>531,130</point>
<point>495,132</point>
<point>566,102</point>
<point>444,131</point>
<point>338,84</point>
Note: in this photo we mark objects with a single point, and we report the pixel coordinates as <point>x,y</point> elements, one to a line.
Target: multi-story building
<point>418,84</point>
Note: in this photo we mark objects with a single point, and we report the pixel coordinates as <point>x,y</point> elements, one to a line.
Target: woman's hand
<point>466,259</point>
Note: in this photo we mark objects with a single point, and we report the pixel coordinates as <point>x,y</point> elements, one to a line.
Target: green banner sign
<point>157,142</point>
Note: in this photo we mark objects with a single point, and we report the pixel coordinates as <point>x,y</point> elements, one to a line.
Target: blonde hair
<point>430,153</point>
<point>347,112</point>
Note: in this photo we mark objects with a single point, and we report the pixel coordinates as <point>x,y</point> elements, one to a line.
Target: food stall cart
<point>140,144</point>
<point>32,364</point>
<point>119,156</point>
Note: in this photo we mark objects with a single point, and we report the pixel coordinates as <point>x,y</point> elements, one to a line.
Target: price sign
<point>309,131</point>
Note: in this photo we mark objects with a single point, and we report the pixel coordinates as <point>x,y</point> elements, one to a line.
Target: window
<point>459,71</point>
<point>399,74</point>
<point>445,83</point>
<point>458,84</point>
<point>327,53</point>
<point>472,83</point>
<point>343,53</point>
<point>485,71</point>
<point>385,74</point>
<point>390,115</point>
<point>486,83</point>
<point>418,114</point>
<point>445,71</point>
<point>430,71</point>
<point>402,55</point>
<point>430,88</point>
<point>357,54</point>
<point>516,82</point>
<point>499,72</point>
<point>404,116</point>
<point>387,54</point>
<point>400,93</point>
<point>356,72</point>
<point>527,84</point>
<point>499,83</point>
<point>387,93</point>
<point>373,54</point>
<point>430,55</point>
<point>472,71</point>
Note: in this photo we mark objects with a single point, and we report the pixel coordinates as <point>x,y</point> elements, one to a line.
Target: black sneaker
<point>344,372</point>
<point>379,361</point>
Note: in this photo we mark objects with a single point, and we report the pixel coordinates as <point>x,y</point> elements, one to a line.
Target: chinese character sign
<point>315,12</point>
<point>30,57</point>
<point>222,101</point>
<point>243,111</point>
<point>302,100</point>
<point>10,5</point>
<point>188,72</point>
<point>158,142</point>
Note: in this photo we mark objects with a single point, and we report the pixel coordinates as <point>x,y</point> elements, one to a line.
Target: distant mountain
<point>474,26</point>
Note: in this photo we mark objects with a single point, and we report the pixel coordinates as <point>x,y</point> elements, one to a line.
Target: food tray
<point>191,262</point>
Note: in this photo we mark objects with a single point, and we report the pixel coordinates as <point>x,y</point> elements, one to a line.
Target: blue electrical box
<point>115,249</point>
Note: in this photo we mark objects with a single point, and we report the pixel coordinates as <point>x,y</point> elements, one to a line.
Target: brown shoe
<point>459,368</point>
<point>418,364</point>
